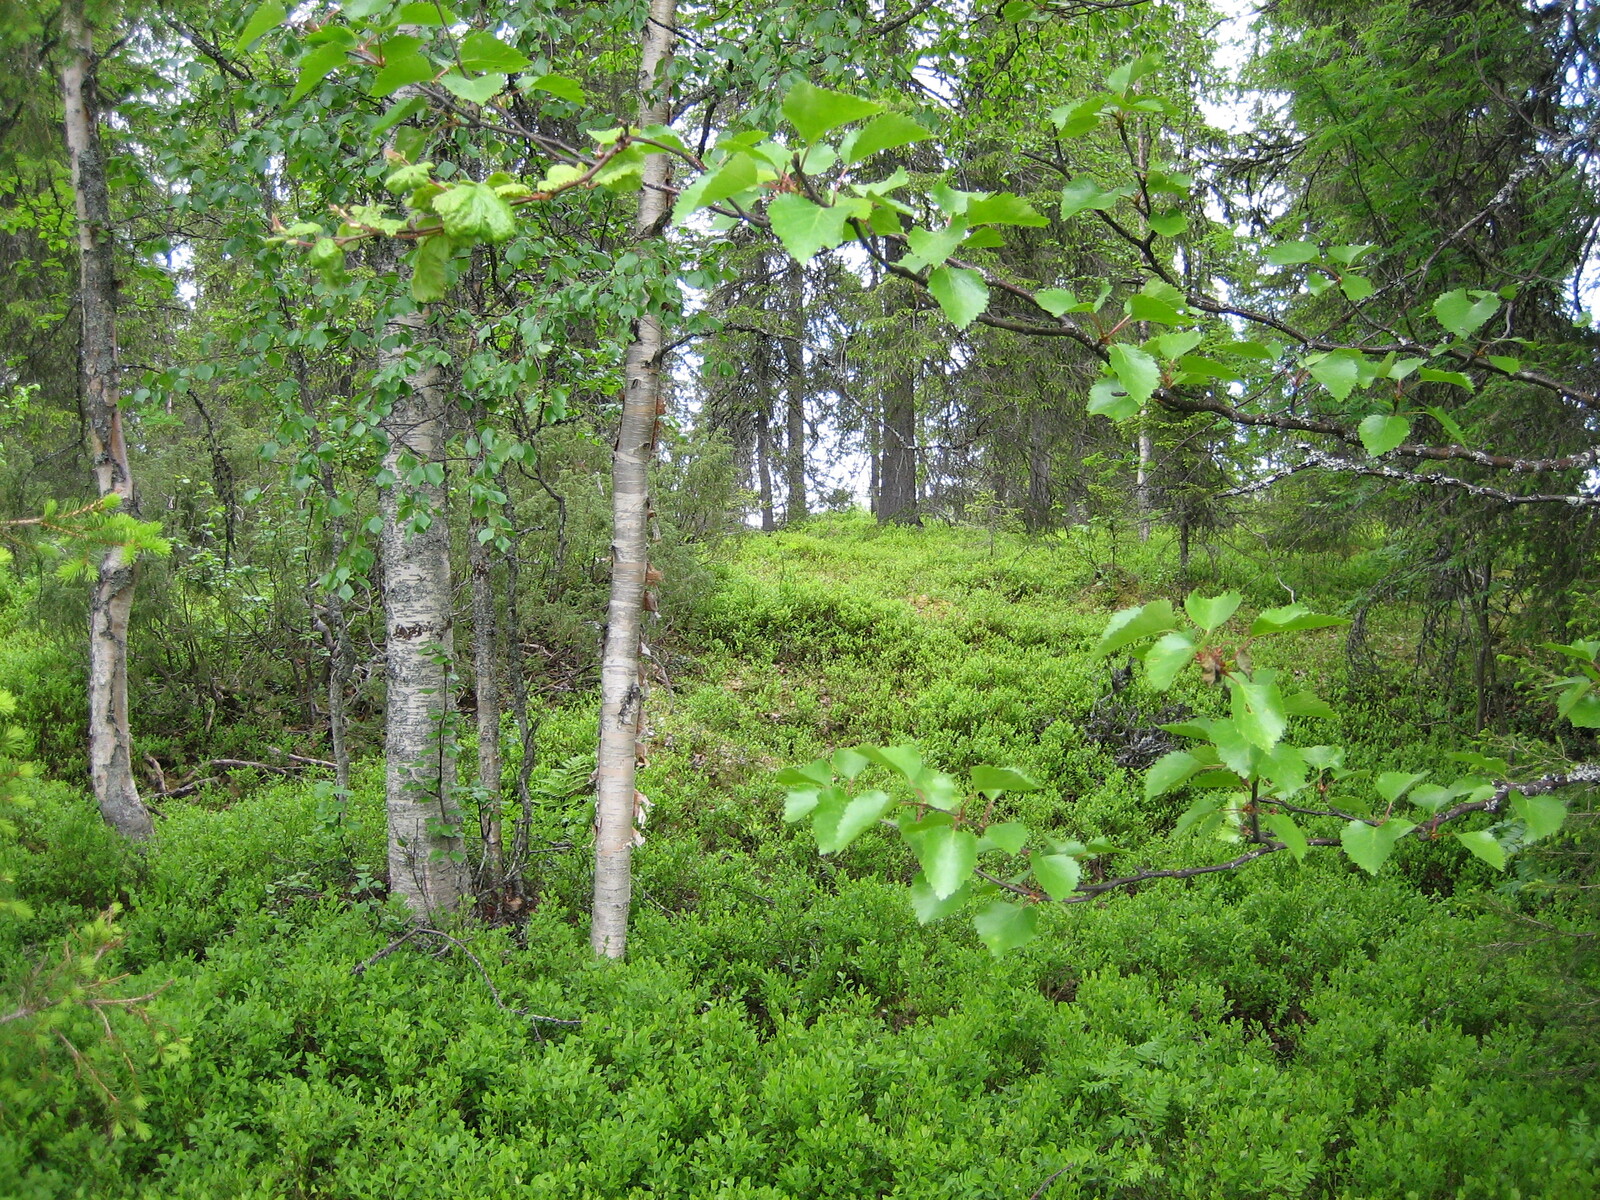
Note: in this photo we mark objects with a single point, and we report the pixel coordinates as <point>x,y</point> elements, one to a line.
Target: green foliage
<point>786,1026</point>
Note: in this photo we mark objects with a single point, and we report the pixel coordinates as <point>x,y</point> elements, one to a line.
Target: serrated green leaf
<point>1391,785</point>
<point>1138,373</point>
<point>884,132</point>
<point>475,91</point>
<point>1290,619</point>
<point>1121,80</point>
<point>1084,193</point>
<point>1506,363</point>
<point>1429,375</point>
<point>1305,704</point>
<point>937,788</point>
<point>399,70</point>
<point>905,760</point>
<point>1483,844</point>
<point>1004,926</point>
<point>1003,209</point>
<point>563,87</point>
<point>836,829</point>
<point>1058,302</point>
<point>933,246</point>
<point>1176,344</point>
<point>1075,120</point>
<point>1287,832</point>
<point>818,772</point>
<point>267,17</point>
<point>930,907</point>
<point>739,173</point>
<point>805,228</point>
<point>947,855</point>
<point>1289,254</point>
<point>1447,423</point>
<point>1356,288</point>
<point>1202,816</point>
<point>1369,846</point>
<point>1213,612</point>
<point>1171,770</point>
<point>1058,874</point>
<point>1108,399</point>
<point>482,51</point>
<point>992,781</point>
<point>1170,223</point>
<point>409,178</point>
<point>475,212</point>
<point>316,66</point>
<point>813,111</point>
<point>1348,256</point>
<point>961,293</point>
<point>1133,624</point>
<point>1258,711</point>
<point>421,12</point>
<point>1147,308</point>
<point>1284,769</point>
<point>1380,433</point>
<point>799,803</point>
<point>1462,315</point>
<point>848,763</point>
<point>1008,836</point>
<point>1541,815</point>
<point>1168,656</point>
<point>1338,372</point>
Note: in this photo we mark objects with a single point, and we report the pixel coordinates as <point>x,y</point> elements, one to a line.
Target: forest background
<point>435,420</point>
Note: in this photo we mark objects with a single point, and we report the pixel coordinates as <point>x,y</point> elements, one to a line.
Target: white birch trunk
<point>427,866</point>
<point>621,682</point>
<point>111,602</point>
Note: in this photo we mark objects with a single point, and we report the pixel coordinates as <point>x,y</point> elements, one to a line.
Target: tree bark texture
<point>897,488</point>
<point>621,680</point>
<point>426,866</point>
<point>111,602</point>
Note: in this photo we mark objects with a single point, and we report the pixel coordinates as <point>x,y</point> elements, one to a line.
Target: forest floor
<point>784,1027</point>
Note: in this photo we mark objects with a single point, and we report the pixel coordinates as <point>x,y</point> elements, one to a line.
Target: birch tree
<point>111,599</point>
<point>622,686</point>
<point>426,857</point>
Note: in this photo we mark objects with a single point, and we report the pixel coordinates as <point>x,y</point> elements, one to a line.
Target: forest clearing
<point>656,599</point>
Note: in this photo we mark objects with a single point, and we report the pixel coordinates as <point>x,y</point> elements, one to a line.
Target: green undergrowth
<point>784,1027</point>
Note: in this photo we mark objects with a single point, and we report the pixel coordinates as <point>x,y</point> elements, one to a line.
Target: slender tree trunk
<point>111,602</point>
<point>897,498</point>
<point>769,519</point>
<point>874,461</point>
<point>1141,484</point>
<point>327,614</point>
<point>486,685</point>
<point>795,393</point>
<point>426,859</point>
<point>516,866</point>
<point>621,681</point>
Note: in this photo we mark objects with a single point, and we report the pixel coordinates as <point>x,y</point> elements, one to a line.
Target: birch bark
<point>111,602</point>
<point>427,866</point>
<point>621,681</point>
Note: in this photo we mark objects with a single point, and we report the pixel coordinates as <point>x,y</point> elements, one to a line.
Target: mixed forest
<point>666,599</point>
